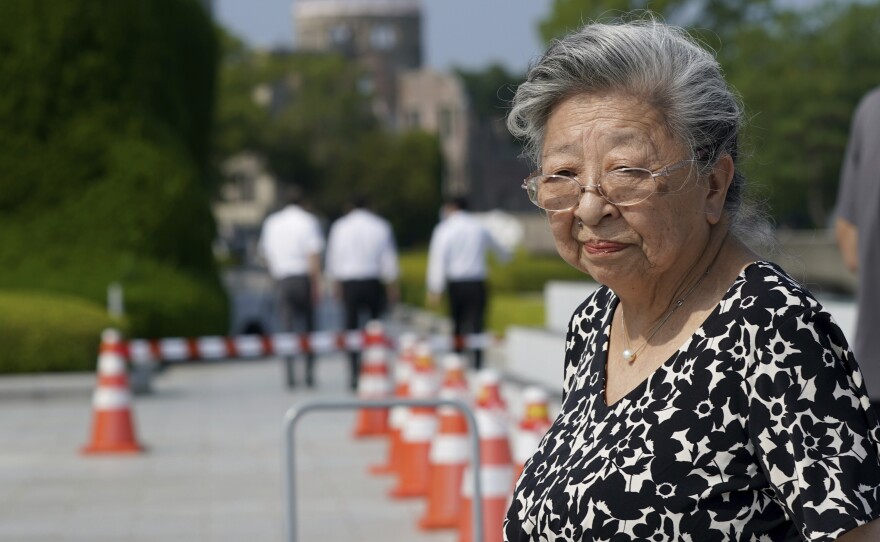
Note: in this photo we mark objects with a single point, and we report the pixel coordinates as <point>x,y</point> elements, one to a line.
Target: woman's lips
<point>603,247</point>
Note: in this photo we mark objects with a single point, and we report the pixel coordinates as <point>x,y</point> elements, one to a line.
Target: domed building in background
<point>385,37</point>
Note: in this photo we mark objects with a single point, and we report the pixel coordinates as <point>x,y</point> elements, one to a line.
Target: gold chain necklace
<point>628,355</point>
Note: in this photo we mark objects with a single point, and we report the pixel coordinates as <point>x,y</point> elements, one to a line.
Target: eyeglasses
<point>621,187</point>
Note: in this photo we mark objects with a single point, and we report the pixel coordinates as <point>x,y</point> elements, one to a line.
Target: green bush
<point>45,332</point>
<point>104,169</point>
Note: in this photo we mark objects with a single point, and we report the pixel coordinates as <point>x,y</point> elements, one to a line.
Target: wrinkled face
<point>625,247</point>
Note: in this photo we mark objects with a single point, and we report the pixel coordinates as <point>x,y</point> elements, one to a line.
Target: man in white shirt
<point>457,262</point>
<point>291,243</point>
<point>362,263</point>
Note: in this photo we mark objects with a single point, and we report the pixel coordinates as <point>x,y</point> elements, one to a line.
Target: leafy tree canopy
<point>800,73</point>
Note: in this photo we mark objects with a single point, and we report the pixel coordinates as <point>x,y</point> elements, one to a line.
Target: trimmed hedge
<point>105,162</point>
<point>43,332</point>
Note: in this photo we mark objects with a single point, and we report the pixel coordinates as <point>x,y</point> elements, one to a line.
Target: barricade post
<point>295,413</point>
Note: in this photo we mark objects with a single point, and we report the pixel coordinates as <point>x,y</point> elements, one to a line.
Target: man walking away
<point>457,262</point>
<point>362,263</point>
<point>291,243</point>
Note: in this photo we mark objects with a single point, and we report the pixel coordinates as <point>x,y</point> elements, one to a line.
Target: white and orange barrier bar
<point>179,349</point>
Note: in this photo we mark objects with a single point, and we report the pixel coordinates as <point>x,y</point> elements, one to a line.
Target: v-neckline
<point>604,338</point>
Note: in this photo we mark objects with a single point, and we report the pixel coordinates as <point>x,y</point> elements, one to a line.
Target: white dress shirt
<point>289,237</point>
<point>361,246</point>
<point>458,251</point>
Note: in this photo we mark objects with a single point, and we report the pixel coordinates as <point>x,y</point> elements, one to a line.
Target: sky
<point>469,34</point>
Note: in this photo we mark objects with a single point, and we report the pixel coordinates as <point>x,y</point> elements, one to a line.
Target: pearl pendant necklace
<point>629,355</point>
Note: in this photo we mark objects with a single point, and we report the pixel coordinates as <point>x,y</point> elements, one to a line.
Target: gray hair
<point>652,61</point>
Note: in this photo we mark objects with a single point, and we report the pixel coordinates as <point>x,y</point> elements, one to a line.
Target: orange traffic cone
<point>419,429</point>
<point>496,468</point>
<point>112,427</point>
<point>397,415</point>
<point>373,382</point>
<point>532,427</point>
<point>449,452</point>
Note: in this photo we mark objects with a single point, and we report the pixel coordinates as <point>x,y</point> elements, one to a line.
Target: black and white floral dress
<point>757,429</point>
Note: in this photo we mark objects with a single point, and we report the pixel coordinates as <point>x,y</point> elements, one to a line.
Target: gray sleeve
<point>850,174</point>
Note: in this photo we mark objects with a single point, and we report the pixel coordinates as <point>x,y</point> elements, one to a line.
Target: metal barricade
<point>296,412</point>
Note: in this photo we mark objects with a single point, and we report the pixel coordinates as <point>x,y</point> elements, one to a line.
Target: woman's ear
<point>718,180</point>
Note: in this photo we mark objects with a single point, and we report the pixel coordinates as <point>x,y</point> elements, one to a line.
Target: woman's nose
<point>592,207</point>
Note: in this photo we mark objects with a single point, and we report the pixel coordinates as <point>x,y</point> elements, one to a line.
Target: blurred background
<point>143,143</point>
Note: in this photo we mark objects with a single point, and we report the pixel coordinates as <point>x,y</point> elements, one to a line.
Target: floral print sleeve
<point>758,429</point>
<point>812,427</point>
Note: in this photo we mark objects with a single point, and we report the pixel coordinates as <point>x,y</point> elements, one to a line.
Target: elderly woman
<point>707,395</point>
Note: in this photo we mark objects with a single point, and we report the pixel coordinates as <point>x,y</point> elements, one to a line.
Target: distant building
<point>437,103</point>
<point>384,36</point>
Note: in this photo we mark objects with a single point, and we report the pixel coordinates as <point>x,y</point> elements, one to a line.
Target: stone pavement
<point>213,468</point>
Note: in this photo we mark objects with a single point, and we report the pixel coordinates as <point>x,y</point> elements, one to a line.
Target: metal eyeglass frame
<point>529,184</point>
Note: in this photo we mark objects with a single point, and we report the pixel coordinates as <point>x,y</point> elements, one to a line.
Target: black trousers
<point>297,315</point>
<point>363,300</point>
<point>467,306</point>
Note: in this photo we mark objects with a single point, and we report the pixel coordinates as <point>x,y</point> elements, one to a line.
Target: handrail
<point>293,415</point>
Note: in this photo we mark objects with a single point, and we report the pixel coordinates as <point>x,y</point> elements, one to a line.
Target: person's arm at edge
<point>847,235</point>
<point>869,532</point>
<point>846,214</point>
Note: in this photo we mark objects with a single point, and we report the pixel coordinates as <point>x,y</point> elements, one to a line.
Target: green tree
<point>720,17</point>
<point>800,73</point>
<point>105,164</point>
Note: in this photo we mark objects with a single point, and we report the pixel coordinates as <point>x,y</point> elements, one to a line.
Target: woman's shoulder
<point>765,285</point>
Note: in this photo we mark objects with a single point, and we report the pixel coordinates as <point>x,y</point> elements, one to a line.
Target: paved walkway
<point>213,469</point>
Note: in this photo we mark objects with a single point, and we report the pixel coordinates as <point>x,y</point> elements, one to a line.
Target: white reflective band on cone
<point>110,363</point>
<point>397,416</point>
<point>212,348</point>
<point>449,450</point>
<point>375,355</point>
<point>491,423</point>
<point>422,385</point>
<point>419,427</point>
<point>111,399</point>
<point>402,371</point>
<point>373,386</point>
<point>525,444</point>
<point>495,481</point>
